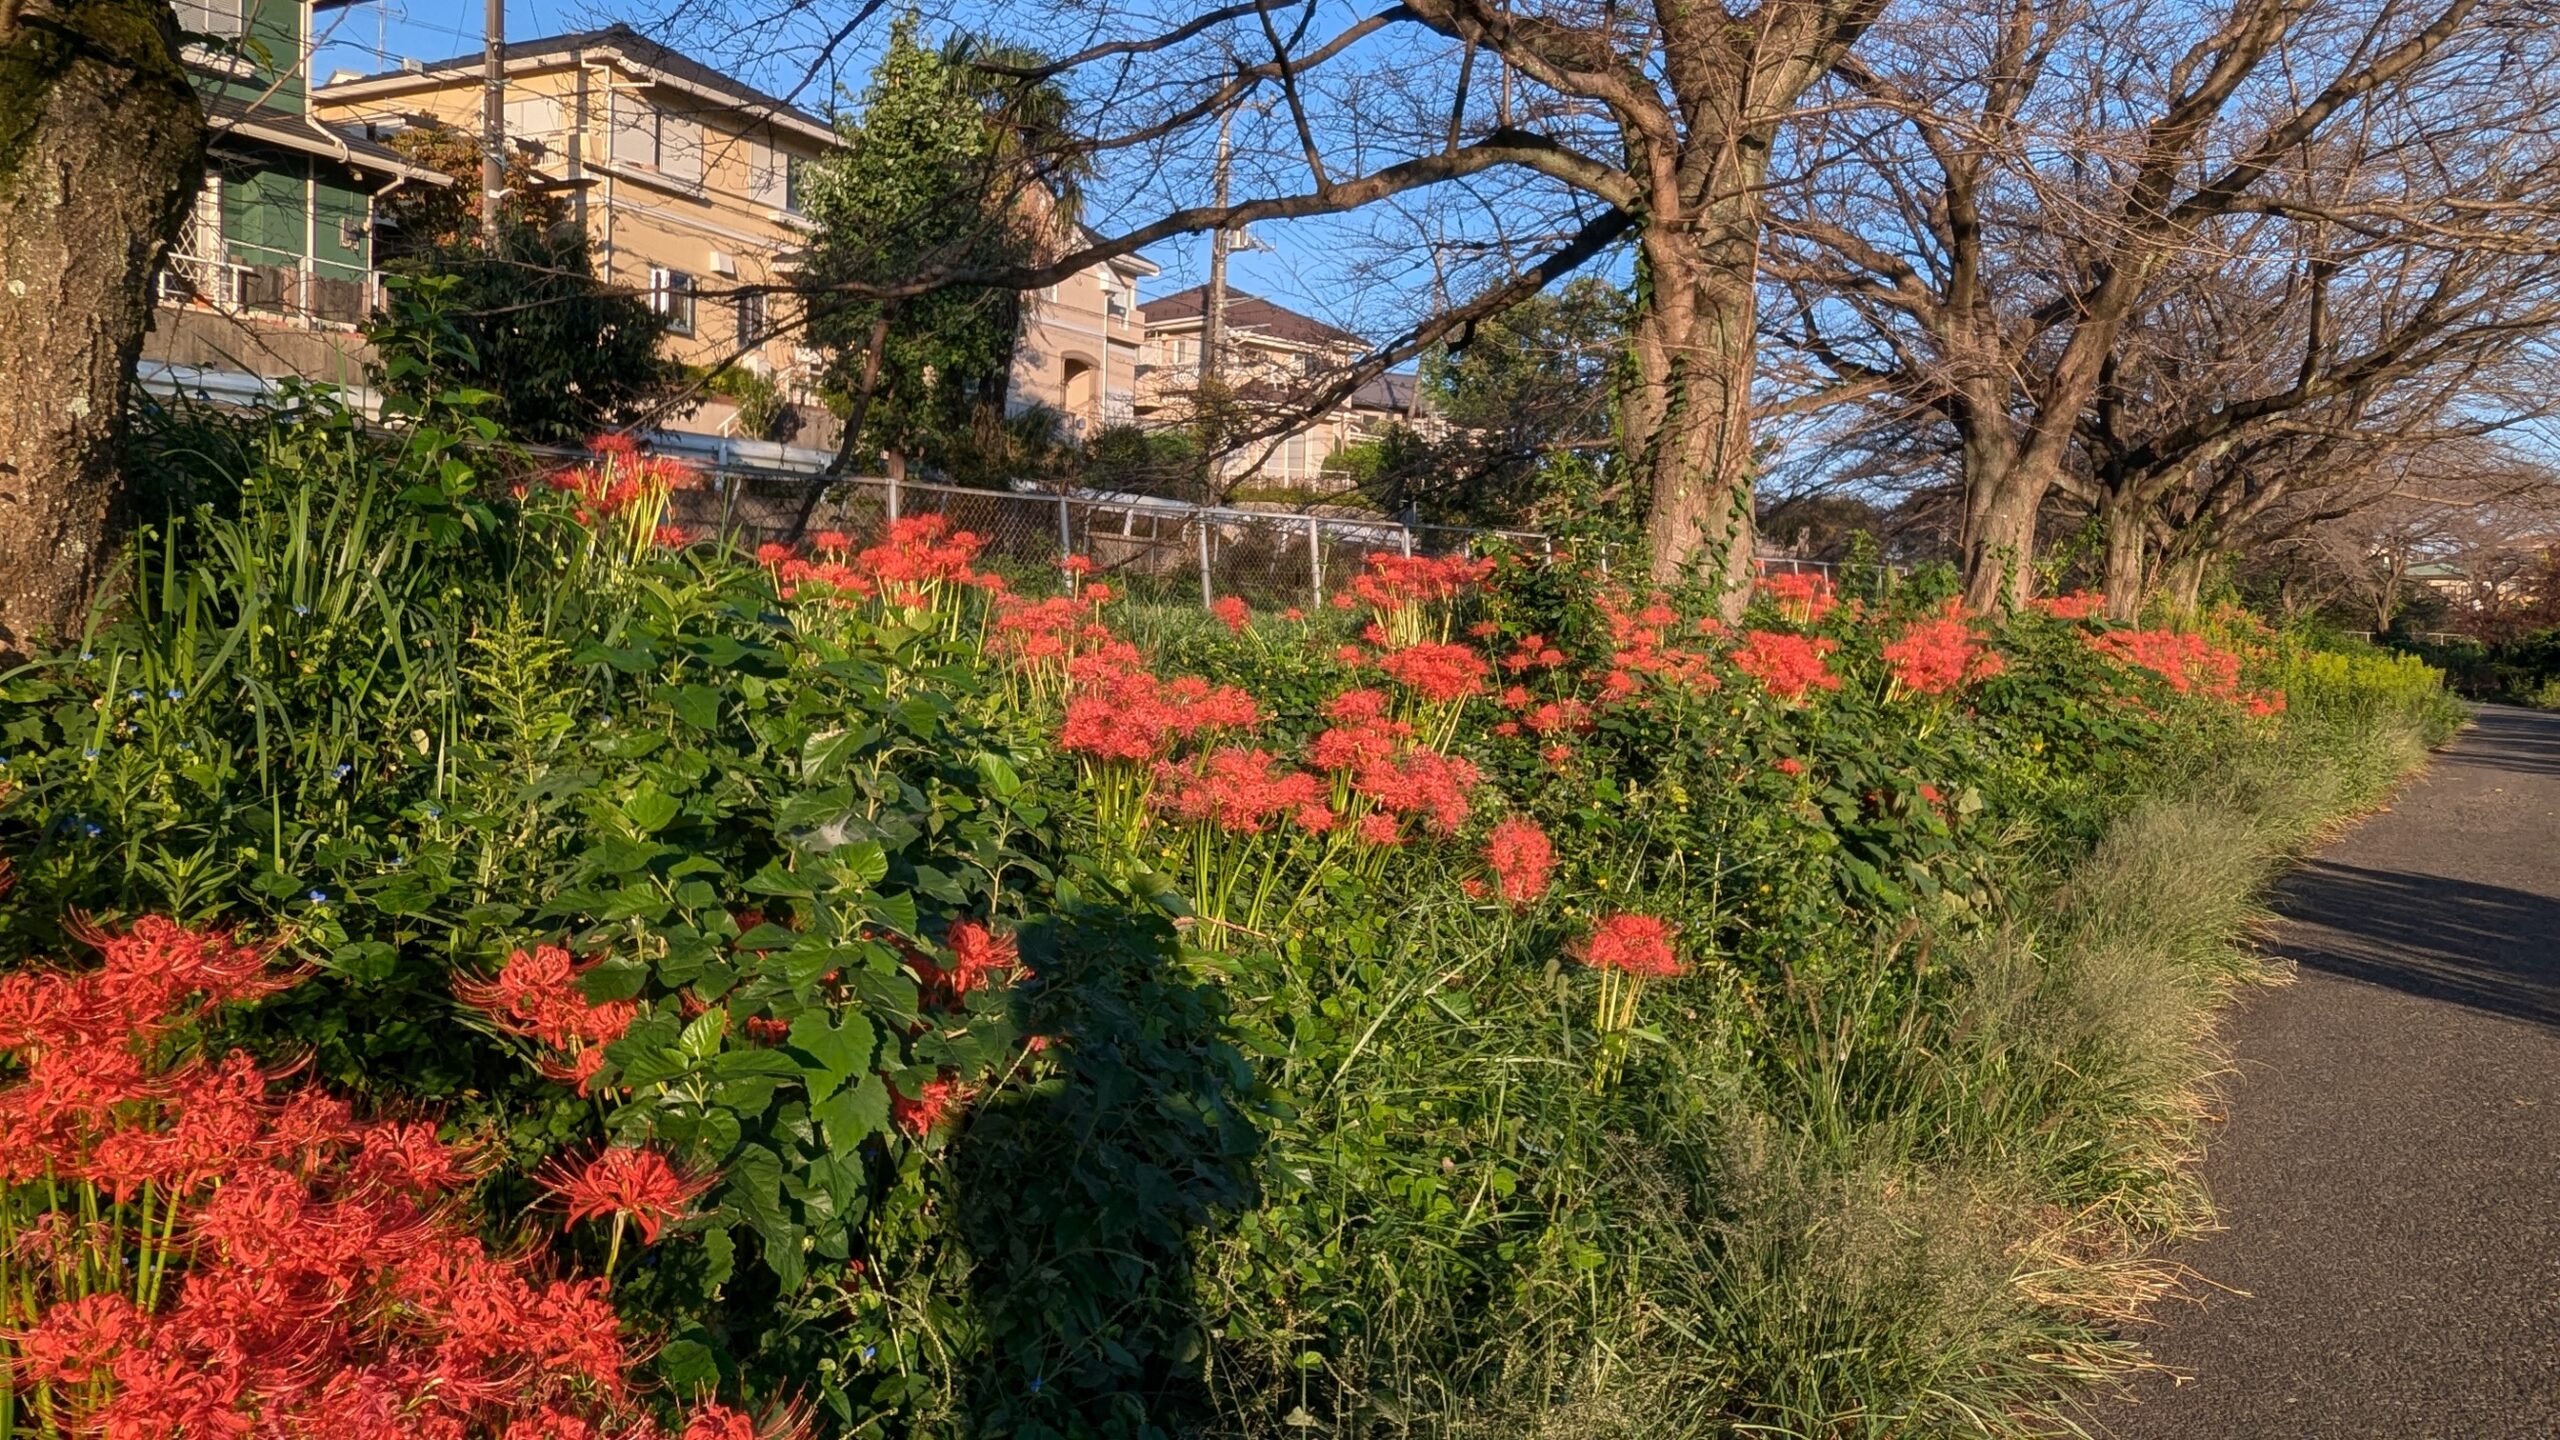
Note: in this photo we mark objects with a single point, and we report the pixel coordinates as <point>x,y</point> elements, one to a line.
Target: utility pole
<point>493,123</point>
<point>1213,314</point>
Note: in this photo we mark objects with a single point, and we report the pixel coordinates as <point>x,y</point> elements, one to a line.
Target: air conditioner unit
<point>724,263</point>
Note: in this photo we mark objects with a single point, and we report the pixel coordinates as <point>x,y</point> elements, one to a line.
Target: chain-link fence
<point>1148,546</point>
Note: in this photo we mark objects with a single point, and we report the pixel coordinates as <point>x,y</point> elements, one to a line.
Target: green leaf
<point>840,1051</point>
<point>649,810</point>
<point>696,705</point>
<point>853,1114</point>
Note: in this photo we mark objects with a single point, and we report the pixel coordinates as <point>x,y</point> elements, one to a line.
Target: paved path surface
<point>2390,1171</point>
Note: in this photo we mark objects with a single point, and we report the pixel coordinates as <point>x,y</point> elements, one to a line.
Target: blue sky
<point>373,35</point>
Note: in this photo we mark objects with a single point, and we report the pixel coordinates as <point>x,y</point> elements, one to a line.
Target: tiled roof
<point>1247,311</point>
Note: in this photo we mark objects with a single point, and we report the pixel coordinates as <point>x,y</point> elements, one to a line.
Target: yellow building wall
<point>726,229</point>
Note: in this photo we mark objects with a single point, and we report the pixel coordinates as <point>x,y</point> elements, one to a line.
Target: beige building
<point>687,180</point>
<point>1271,355</point>
<point>1080,348</point>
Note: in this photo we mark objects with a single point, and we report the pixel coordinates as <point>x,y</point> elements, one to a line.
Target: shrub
<point>1057,1015</point>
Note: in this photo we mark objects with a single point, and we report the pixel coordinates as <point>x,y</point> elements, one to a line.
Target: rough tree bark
<point>1687,409</point>
<point>101,147</point>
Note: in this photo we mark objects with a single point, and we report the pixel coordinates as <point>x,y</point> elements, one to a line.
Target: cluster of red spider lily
<point>623,493</point>
<point>1628,950</point>
<point>2190,663</point>
<point>1940,655</point>
<point>1802,598</point>
<point>536,996</point>
<point>916,567</point>
<point>192,1246</point>
<point>1406,593</point>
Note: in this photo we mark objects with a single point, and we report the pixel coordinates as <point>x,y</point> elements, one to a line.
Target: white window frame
<point>226,19</point>
<point>671,294</point>
<point>741,306</point>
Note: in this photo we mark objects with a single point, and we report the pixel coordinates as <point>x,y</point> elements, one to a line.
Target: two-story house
<point>1080,346</point>
<point>274,269</point>
<point>1270,356</point>
<point>687,180</point>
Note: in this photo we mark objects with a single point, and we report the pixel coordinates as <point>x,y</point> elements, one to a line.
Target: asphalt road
<point>2389,1169</point>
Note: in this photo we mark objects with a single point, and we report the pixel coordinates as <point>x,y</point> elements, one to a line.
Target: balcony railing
<point>286,291</point>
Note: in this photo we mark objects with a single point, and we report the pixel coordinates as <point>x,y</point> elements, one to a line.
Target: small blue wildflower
<point>187,745</point>
<point>344,771</point>
<point>91,830</point>
<point>177,694</point>
<point>319,897</point>
<point>301,609</point>
<point>1036,1382</point>
<point>88,655</point>
<point>133,694</point>
<point>870,1350</point>
<point>434,813</point>
<point>89,753</point>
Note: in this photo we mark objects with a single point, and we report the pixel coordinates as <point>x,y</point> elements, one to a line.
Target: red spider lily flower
<point>1395,582</point>
<point>1786,665</point>
<point>1441,674</point>
<point>771,553</point>
<point>1556,754</point>
<point>674,537</point>
<point>1293,614</point>
<point>1077,565</point>
<point>1379,828</point>
<point>1558,717</point>
<point>1789,765</point>
<point>1803,599</point>
<point>632,1181</point>
<point>1522,858</point>
<point>536,995</point>
<point>1484,630</point>
<point>407,1156</point>
<point>1422,784</point>
<point>978,954</point>
<point>2188,662</point>
<point>1235,789</point>
<point>920,1115</point>
<point>1317,818</point>
<point>2079,605</point>
<point>1232,613</point>
<point>76,1339</point>
<point>831,542</point>
<point>1941,655</point>
<point>1634,944</point>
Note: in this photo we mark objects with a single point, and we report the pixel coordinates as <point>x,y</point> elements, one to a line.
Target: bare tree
<point>1564,125</point>
<point>2001,191</point>
<point>101,144</point>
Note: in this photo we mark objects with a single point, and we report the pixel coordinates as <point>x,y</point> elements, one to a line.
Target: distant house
<point>1080,346</point>
<point>688,181</point>
<point>1271,356</point>
<point>273,270</point>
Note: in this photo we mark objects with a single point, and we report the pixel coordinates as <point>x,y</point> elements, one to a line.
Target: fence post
<point>1315,564</point>
<point>1066,529</point>
<point>1404,537</point>
<point>1200,521</point>
<point>893,495</point>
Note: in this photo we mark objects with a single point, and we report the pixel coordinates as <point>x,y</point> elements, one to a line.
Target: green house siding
<point>340,242</point>
<point>263,209</point>
<point>270,46</point>
<point>300,227</point>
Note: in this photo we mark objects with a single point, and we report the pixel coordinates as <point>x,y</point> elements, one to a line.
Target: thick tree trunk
<point>1687,412</point>
<point>2182,586</point>
<point>2126,535</point>
<point>2002,501</point>
<point>101,147</point>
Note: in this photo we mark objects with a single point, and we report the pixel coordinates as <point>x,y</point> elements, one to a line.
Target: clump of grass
<point>1918,1219</point>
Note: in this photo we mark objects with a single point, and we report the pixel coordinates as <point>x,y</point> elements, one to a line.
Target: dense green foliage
<point>556,354</point>
<point>1340,1150</point>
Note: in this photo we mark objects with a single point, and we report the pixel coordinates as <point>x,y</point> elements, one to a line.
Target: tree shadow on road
<point>2504,738</point>
<point>2483,946</point>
